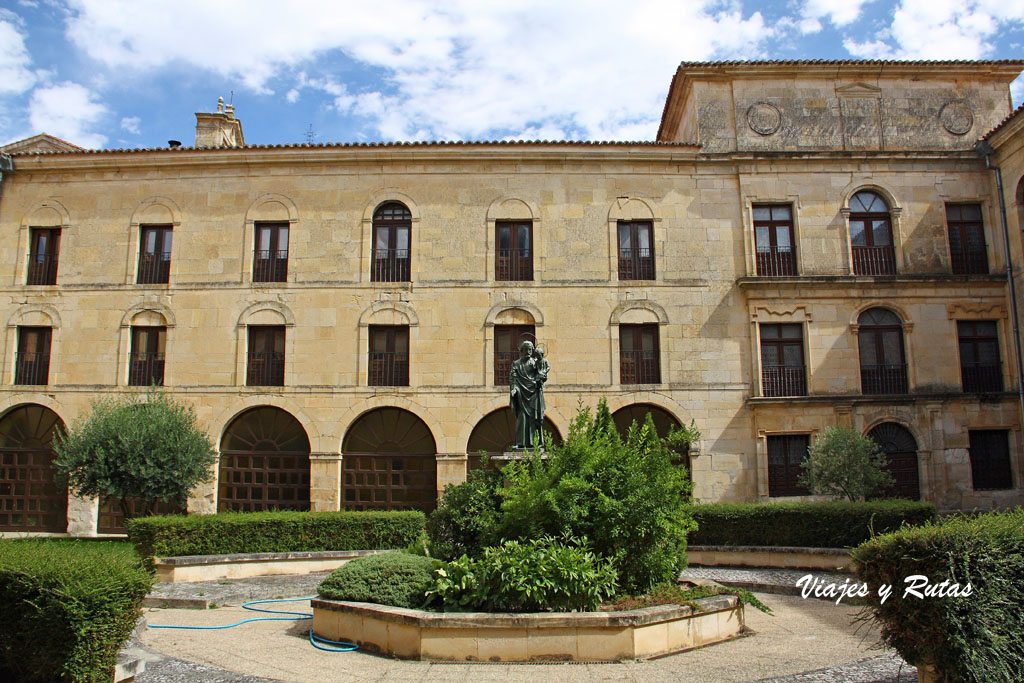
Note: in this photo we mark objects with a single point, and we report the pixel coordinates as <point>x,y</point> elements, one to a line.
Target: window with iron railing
<point>43,256</point>
<point>967,251</point>
<point>786,454</point>
<point>980,368</point>
<point>270,257</point>
<point>638,355</point>
<point>265,366</point>
<point>146,362</point>
<point>514,252</point>
<point>773,236</point>
<point>636,250</point>
<point>154,255</point>
<point>389,356</point>
<point>871,235</point>
<point>390,256</point>
<point>990,459</point>
<point>506,349</point>
<point>782,360</point>
<point>32,362</point>
<point>883,368</point>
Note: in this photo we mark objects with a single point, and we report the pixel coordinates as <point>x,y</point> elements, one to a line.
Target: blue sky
<point>132,73</point>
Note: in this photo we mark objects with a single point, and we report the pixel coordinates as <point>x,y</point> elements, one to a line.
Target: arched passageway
<point>664,421</point>
<point>900,450</point>
<point>495,434</point>
<point>30,499</point>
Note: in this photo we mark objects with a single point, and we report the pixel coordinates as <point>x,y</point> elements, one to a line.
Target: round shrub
<point>395,579</point>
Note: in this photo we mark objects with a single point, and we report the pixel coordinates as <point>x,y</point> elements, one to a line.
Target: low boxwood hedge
<point>396,579</point>
<point>976,637</point>
<point>273,532</point>
<point>805,525</point>
<point>66,608</point>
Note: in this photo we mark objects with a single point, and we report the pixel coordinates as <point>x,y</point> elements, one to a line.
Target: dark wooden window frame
<point>391,263</point>
<point>637,366</point>
<point>882,378</point>
<point>773,260</point>
<point>388,368</point>
<point>155,266</point>
<point>513,263</point>
<point>782,476</point>
<point>966,261</point>
<point>146,366</point>
<point>503,359</point>
<point>977,376</point>
<point>634,263</point>
<point>264,363</point>
<point>32,368</point>
<point>783,379</point>
<point>869,258</point>
<point>989,452</point>
<point>42,263</point>
<point>271,263</point>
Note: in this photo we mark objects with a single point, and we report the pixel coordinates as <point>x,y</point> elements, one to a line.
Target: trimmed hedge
<point>804,525</point>
<point>979,637</point>
<point>273,532</point>
<point>396,579</point>
<point>66,608</point>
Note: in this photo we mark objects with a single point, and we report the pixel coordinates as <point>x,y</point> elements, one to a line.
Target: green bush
<point>464,520</point>
<point>808,525</point>
<point>627,498</point>
<point>538,575</point>
<point>396,579</point>
<point>979,637</point>
<point>842,463</point>
<point>66,608</point>
<point>273,532</point>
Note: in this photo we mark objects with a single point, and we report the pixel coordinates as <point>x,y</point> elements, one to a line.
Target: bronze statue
<point>526,395</point>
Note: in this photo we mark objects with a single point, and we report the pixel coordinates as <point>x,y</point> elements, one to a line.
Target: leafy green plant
<point>843,463</point>
<point>532,576</point>
<point>465,518</point>
<point>148,448</point>
<point>396,579</point>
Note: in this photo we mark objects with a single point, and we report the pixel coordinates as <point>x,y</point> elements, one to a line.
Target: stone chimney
<point>219,130</point>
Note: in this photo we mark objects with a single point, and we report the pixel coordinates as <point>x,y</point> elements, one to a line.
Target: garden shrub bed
<point>803,524</point>
<point>976,637</point>
<point>67,607</point>
<point>273,532</point>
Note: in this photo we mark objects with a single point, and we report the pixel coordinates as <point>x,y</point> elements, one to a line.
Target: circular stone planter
<point>546,636</point>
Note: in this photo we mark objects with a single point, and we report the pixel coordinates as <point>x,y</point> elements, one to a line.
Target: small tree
<point>843,463</point>
<point>147,448</point>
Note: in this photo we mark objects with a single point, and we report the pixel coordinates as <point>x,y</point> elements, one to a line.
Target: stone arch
<point>623,309</point>
<point>276,314</point>
<point>478,413</point>
<point>49,213</point>
<point>512,208</point>
<point>492,315</point>
<point>495,432</point>
<point>155,308</point>
<point>901,446</point>
<point>26,446</point>
<point>42,315</point>
<point>218,426</point>
<point>156,210</point>
<point>377,314</point>
<point>876,303</point>
<point>663,418</point>
<point>386,195</point>
<point>633,209</point>
<point>860,185</point>
<point>272,207</point>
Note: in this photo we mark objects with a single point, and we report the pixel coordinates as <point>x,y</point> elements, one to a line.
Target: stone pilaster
<point>83,516</point>
<point>324,482</point>
<point>451,469</point>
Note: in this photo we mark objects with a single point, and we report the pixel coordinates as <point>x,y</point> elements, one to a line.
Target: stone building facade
<point>805,244</point>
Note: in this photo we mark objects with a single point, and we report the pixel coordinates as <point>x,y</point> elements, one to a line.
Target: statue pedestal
<point>517,454</point>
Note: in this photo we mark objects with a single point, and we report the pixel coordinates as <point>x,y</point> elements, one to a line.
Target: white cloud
<point>15,76</point>
<point>131,124</point>
<point>1017,91</point>
<point>67,110</point>
<point>292,95</point>
<point>839,12</point>
<point>451,69</point>
<point>941,29</point>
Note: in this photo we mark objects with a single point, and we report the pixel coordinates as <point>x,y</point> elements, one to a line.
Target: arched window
<point>871,235</point>
<point>264,463</point>
<point>900,448</point>
<point>30,497</point>
<point>883,366</point>
<point>392,230</point>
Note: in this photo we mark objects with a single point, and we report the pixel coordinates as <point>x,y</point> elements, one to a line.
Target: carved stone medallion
<point>956,117</point>
<point>764,118</point>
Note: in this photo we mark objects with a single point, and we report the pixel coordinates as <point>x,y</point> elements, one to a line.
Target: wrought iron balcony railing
<point>776,261</point>
<point>639,367</point>
<point>265,369</point>
<point>883,379</point>
<point>270,265</point>
<point>636,264</point>
<point>514,265</point>
<point>969,262</point>
<point>155,269</point>
<point>784,380</point>
<point>874,260</point>
<point>389,265</point>
<point>32,368</point>
<point>146,369</point>
<point>389,369</point>
<point>42,269</point>
<point>982,378</point>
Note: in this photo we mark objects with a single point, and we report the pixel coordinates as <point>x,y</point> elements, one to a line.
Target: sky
<point>132,73</point>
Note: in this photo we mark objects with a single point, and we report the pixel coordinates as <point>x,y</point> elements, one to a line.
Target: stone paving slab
<point>775,581</point>
<point>203,594</point>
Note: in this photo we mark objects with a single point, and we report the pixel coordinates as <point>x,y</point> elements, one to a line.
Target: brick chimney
<point>221,129</point>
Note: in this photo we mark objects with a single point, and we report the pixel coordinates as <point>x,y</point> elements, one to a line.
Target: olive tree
<point>147,448</point>
<point>843,463</point>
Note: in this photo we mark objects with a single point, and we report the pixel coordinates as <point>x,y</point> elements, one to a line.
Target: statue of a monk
<point>526,396</point>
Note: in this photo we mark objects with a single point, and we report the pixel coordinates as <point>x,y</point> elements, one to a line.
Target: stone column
<point>83,516</point>
<point>451,469</point>
<point>202,500</point>
<point>324,482</point>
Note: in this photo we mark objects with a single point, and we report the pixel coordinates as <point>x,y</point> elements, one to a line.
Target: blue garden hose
<point>314,640</point>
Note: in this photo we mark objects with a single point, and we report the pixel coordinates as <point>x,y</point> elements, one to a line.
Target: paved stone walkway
<point>780,581</point>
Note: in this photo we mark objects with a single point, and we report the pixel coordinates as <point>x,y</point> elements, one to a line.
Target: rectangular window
<point>638,354</point>
<point>980,368</point>
<point>786,454</point>
<point>270,259</point>
<point>514,252</point>
<point>44,253</point>
<point>146,363</point>
<point>966,239</point>
<point>154,255</point>
<point>782,360</point>
<point>990,459</point>
<point>32,365</point>
<point>506,349</point>
<point>389,356</point>
<point>636,250</point>
<point>773,235</point>
<point>266,356</point>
